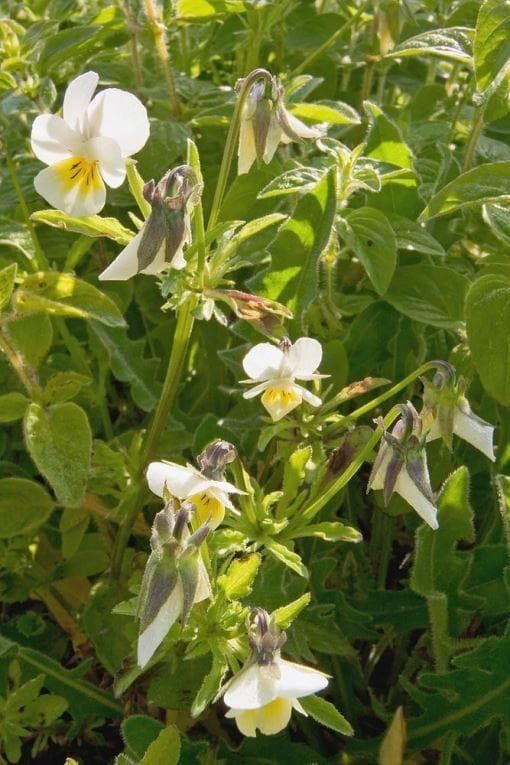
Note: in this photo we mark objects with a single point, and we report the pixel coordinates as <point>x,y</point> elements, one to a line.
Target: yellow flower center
<point>279,401</point>
<point>77,171</point>
<point>269,719</point>
<point>208,507</point>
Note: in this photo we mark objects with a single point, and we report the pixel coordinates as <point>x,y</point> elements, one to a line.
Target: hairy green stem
<point>39,261</point>
<point>310,511</point>
<point>474,136</point>
<point>133,42</point>
<point>157,28</point>
<point>230,143</point>
<point>303,67</point>
<point>375,402</point>
<point>182,336</point>
<point>441,644</point>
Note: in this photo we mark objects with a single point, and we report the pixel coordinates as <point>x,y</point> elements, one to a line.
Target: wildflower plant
<point>254,356</point>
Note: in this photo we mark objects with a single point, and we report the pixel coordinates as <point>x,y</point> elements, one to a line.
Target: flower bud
<point>263,314</point>
<point>215,457</point>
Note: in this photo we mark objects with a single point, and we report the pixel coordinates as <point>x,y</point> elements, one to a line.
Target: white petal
<point>302,130</point>
<point>378,478</point>
<point>260,388</point>
<point>111,164</point>
<point>180,481</point>
<point>273,138</point>
<point>310,398</point>
<point>53,140</point>
<point>72,196</point>
<point>252,687</point>
<point>297,680</point>
<point>152,637</point>
<point>247,153</point>
<point>297,706</point>
<point>263,361</point>
<point>304,357</point>
<point>203,590</point>
<point>77,98</point>
<point>119,115</point>
<point>125,264</point>
<point>279,400</point>
<point>407,489</point>
<point>475,431</point>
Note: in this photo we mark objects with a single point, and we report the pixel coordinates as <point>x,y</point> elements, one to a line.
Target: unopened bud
<point>215,457</point>
<point>264,636</point>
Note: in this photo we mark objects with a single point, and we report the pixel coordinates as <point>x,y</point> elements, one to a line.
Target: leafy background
<point>397,255</point>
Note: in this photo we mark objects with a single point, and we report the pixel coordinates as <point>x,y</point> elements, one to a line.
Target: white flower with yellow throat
<point>275,369</point>
<point>88,146</point>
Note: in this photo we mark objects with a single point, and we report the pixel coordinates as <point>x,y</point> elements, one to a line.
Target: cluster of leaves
<point>389,241</point>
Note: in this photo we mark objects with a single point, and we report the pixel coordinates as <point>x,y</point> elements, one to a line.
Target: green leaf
<point>84,699</point>
<point>24,507</point>
<point>437,565</point>
<point>498,218</point>
<point>293,279</point>
<point>334,112</point>
<point>129,365</point>
<point>331,531</point>
<point>298,179</point>
<point>7,277</point>
<point>384,140</point>
<point>453,43</point>
<point>16,235</point>
<point>93,225</point>
<point>429,294</point>
<point>326,714</point>
<point>466,699</point>
<point>63,386</point>
<point>65,295</point>
<point>285,615</point>
<point>210,686</point>
<point>12,407</point>
<point>413,236</point>
<point>293,475</point>
<point>290,558</point>
<point>492,44</point>
<point>138,733</point>
<point>165,749</point>
<point>369,235</point>
<point>59,441</point>
<point>237,582</point>
<point>202,10</point>
<point>485,183</point>
<point>32,336</point>
<point>488,322</point>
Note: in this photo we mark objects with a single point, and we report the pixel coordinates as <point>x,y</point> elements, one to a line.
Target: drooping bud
<point>264,636</point>
<point>446,411</point>
<point>401,466</point>
<point>174,578</point>
<point>215,457</point>
<point>263,314</point>
<point>168,223</point>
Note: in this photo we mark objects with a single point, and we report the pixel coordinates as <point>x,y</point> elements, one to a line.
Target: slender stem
<point>476,131</point>
<point>230,143</point>
<point>185,321</point>
<point>135,182</point>
<point>133,40</point>
<point>39,261</point>
<point>27,376</point>
<point>310,511</point>
<point>375,402</point>
<point>198,215</point>
<point>157,27</point>
<point>303,67</point>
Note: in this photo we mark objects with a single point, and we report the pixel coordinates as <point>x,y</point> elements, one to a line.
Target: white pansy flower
<point>401,467</point>
<point>175,578</point>
<point>88,146</point>
<point>264,693</point>
<point>265,123</point>
<point>209,496</point>
<point>446,410</point>
<point>165,233</point>
<point>275,370</point>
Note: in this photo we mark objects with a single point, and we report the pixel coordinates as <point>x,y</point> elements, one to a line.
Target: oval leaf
<point>486,183</point>
<point>59,441</point>
<point>488,326</point>
<point>429,294</point>
<point>24,507</point>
